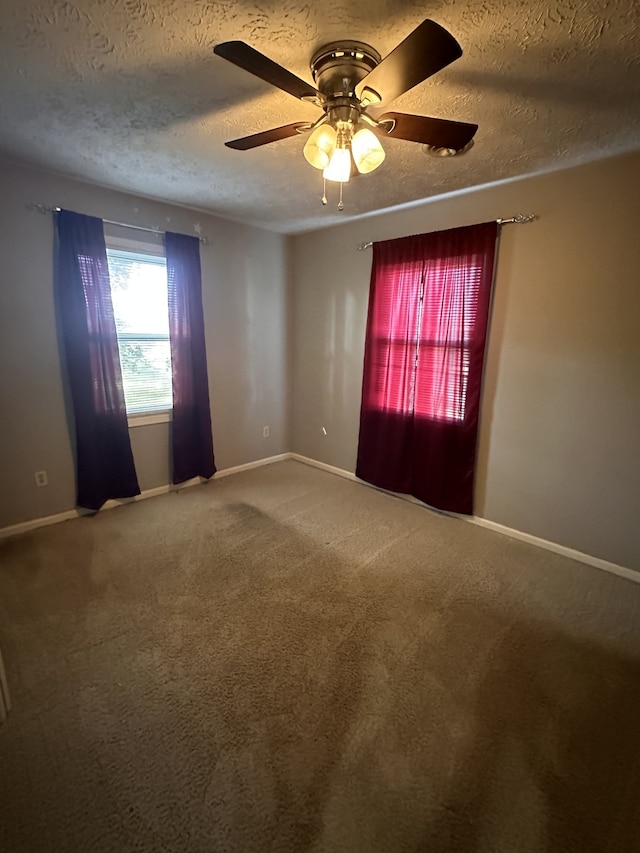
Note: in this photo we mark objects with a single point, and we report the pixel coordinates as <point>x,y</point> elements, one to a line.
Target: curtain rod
<point>518,219</point>
<point>44,208</point>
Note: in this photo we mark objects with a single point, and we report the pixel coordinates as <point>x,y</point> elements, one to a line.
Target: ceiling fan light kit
<point>331,149</point>
<point>367,151</point>
<point>339,168</point>
<point>320,145</point>
<point>351,78</point>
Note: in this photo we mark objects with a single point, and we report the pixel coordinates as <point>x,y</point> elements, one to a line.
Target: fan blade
<point>266,69</point>
<point>437,132</point>
<point>426,50</point>
<point>266,136</point>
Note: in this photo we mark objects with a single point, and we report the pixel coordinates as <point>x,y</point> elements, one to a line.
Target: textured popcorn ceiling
<point>128,93</point>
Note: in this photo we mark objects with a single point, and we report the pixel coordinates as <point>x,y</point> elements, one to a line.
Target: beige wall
<point>560,433</point>
<point>559,446</point>
<point>245,307</point>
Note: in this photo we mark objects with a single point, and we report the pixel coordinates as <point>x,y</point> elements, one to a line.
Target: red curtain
<point>191,436</point>
<point>424,354</point>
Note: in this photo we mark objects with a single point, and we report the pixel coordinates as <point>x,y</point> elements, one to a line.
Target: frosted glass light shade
<point>339,168</point>
<point>367,151</point>
<point>319,146</point>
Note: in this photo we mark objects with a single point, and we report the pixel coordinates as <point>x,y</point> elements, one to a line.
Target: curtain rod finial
<point>518,219</point>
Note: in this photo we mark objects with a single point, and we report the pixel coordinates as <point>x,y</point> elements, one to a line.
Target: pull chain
<point>324,194</point>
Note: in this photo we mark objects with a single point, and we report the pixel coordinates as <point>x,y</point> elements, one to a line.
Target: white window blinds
<point>139,295</point>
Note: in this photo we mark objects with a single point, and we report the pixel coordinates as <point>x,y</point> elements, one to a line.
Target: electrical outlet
<point>41,478</point>
<point>265,432</point>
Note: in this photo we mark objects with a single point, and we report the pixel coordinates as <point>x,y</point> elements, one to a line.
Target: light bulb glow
<point>367,151</point>
<point>320,145</point>
<point>339,167</point>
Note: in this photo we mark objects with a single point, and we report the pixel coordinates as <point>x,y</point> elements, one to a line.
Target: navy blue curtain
<point>191,438</point>
<point>104,461</point>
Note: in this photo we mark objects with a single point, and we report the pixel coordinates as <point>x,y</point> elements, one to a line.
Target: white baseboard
<point>596,562</point>
<point>588,559</point>
<point>580,556</point>
<point>324,467</point>
<point>258,463</point>
<point>34,523</point>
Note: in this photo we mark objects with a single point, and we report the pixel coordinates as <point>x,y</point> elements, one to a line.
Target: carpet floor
<point>284,660</point>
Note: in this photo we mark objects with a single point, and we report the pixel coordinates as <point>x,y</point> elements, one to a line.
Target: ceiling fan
<point>351,78</point>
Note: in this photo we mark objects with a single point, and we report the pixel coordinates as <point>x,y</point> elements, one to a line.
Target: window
<point>423,328</point>
<point>138,274</point>
<point>444,344</point>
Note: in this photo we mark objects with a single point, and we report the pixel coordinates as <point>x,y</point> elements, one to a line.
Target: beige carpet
<point>283,660</point>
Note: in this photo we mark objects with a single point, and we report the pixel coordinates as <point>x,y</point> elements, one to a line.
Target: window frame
<point>148,243</point>
<point>462,345</point>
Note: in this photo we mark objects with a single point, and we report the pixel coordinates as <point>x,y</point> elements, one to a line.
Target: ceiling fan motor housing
<point>338,67</point>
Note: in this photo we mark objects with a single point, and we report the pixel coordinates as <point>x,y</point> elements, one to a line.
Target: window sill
<point>147,418</point>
